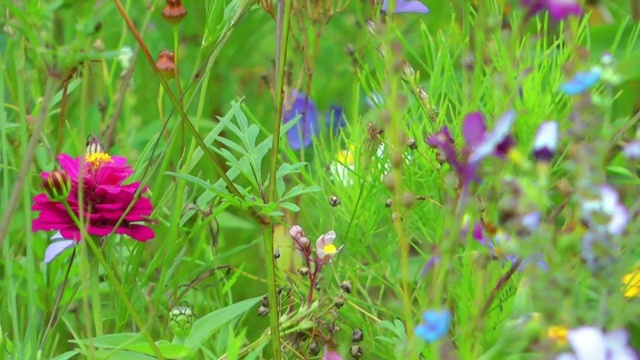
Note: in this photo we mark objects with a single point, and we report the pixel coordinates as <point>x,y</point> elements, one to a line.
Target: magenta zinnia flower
<point>105,199</point>
<point>558,9</point>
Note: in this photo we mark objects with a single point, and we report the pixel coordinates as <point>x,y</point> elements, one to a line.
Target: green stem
<point>283,20</point>
<point>94,286</point>
<point>183,115</point>
<point>114,281</point>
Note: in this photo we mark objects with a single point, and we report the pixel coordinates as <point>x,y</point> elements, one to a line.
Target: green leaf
<point>68,355</point>
<point>204,327</point>
<point>134,342</point>
<point>290,206</point>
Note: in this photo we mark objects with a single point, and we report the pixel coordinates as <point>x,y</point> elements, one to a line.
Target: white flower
<point>57,247</point>
<point>591,343</point>
<point>606,212</point>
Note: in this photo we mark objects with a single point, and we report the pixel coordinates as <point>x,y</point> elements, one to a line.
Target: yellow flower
<point>631,283</point>
<point>558,333</point>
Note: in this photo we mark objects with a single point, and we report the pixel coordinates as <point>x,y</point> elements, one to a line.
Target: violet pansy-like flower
<point>404,6</point>
<point>325,249</point>
<point>434,326</point>
<point>558,9</point>
<point>592,343</point>
<point>483,143</point>
<point>105,200</point>
<point>546,141</point>
<point>443,141</point>
<point>302,133</point>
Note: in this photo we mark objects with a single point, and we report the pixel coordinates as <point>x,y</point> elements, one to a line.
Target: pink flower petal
<point>141,232</point>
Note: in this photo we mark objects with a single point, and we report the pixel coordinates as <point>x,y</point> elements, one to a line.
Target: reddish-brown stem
<point>501,283</point>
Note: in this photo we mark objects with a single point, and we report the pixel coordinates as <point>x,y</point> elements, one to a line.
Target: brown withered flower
<point>174,12</point>
<point>166,64</point>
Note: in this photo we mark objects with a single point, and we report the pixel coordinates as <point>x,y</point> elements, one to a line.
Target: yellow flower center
<point>631,283</point>
<point>346,156</point>
<point>558,334</point>
<point>97,158</point>
<point>330,249</point>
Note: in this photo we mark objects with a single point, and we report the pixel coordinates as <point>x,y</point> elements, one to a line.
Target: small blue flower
<point>581,82</point>
<point>336,119</point>
<point>302,133</point>
<point>436,324</point>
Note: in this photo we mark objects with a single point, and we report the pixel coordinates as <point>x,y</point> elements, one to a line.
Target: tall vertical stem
<point>283,18</point>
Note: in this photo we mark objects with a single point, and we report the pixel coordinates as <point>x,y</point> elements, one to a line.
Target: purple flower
<point>482,143</point>
<point>546,141</point>
<point>558,9</point>
<point>331,355</point>
<point>580,82</point>
<point>436,324</point>
<point>443,141</point>
<point>302,133</point>
<point>592,343</point>
<point>404,6</point>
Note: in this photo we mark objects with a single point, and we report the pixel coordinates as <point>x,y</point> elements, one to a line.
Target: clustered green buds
<point>181,321</point>
<point>57,185</point>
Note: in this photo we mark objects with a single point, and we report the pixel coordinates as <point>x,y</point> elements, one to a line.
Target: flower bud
<point>346,286</point>
<point>408,74</point>
<point>314,348</point>
<point>263,311</point>
<point>57,185</point>
<point>339,301</point>
<point>408,199</point>
<point>166,63</point>
<point>388,203</point>
<point>181,320</point>
<point>174,12</point>
<point>303,271</point>
<point>334,201</point>
<point>357,335</point>
<point>411,143</point>
<point>356,351</point>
